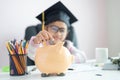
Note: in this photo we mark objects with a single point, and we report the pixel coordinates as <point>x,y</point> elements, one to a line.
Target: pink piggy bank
<point>53,59</point>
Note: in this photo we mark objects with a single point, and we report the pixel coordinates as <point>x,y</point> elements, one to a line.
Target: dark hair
<point>72,36</point>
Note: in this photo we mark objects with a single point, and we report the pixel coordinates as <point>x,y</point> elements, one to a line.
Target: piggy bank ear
<point>59,44</point>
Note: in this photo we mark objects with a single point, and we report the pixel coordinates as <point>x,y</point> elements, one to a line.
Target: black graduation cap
<point>58,12</point>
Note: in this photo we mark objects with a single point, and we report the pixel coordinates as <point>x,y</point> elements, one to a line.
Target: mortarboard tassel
<point>43,21</point>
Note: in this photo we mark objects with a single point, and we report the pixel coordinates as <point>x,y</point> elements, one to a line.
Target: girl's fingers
<point>43,36</point>
<point>46,35</point>
<point>36,41</point>
<point>50,36</point>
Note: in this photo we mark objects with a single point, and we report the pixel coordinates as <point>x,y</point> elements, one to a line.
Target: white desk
<point>81,72</point>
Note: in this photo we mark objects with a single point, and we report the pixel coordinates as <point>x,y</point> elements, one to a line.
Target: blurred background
<point>98,24</point>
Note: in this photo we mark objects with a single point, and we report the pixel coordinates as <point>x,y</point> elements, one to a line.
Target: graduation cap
<point>58,12</point>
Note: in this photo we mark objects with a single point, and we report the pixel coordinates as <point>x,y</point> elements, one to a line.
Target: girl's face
<point>58,30</point>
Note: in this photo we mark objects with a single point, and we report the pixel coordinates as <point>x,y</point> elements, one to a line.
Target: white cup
<point>119,54</point>
<point>101,55</point>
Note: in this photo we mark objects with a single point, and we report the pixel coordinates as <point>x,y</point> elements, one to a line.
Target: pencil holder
<point>18,64</point>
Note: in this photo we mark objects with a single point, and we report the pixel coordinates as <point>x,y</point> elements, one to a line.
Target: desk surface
<point>81,72</point>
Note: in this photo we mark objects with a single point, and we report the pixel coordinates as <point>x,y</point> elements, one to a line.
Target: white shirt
<point>80,56</point>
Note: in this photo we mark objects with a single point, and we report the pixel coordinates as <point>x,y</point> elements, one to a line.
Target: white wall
<point>16,15</point>
<point>113,10</point>
<point>91,27</point>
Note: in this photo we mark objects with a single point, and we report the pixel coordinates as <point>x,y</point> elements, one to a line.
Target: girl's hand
<point>42,36</point>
